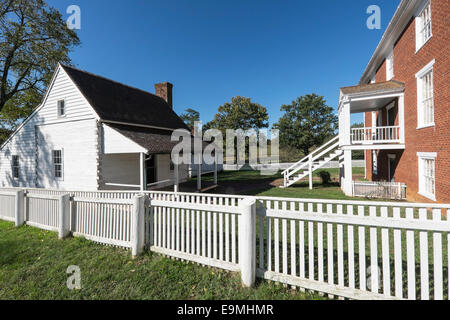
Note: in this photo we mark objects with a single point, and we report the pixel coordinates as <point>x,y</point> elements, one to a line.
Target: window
<point>427,174</point>
<point>425,103</point>
<point>423,26</point>
<point>15,167</point>
<point>390,66</point>
<point>58,163</point>
<point>61,108</point>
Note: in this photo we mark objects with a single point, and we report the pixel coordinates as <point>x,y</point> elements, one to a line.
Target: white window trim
<point>418,26</point>
<point>58,110</point>
<point>12,166</point>
<point>62,164</point>
<point>426,156</point>
<point>419,75</point>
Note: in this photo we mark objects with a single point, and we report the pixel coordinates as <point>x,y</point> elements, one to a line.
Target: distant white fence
<point>351,249</point>
<point>379,189</point>
<point>285,165</point>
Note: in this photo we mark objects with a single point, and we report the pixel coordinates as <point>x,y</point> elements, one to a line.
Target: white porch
<point>140,159</point>
<point>386,130</point>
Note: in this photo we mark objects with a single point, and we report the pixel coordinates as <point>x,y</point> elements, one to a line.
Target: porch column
<point>347,181</point>
<point>199,172</point>
<point>401,117</point>
<point>344,129</point>
<point>374,125</point>
<point>215,168</point>
<point>175,176</point>
<point>142,177</point>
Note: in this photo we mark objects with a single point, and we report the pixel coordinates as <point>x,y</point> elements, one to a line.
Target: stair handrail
<point>307,157</point>
<point>317,156</point>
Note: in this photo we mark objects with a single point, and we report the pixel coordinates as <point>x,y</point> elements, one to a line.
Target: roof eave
<point>404,12</point>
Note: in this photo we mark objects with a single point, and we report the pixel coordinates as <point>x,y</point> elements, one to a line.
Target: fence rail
<point>351,249</point>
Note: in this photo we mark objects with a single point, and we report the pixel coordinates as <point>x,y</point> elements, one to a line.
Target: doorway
<point>391,167</point>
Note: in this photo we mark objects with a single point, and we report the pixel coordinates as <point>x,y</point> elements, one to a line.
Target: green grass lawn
<point>258,184</point>
<point>33,265</point>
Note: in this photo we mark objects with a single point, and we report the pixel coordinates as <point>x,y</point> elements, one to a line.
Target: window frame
<point>60,164</point>
<point>58,111</point>
<point>420,93</point>
<point>15,166</point>
<point>422,157</point>
<point>420,27</point>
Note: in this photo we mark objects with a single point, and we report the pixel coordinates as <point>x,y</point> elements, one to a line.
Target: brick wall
<point>432,139</point>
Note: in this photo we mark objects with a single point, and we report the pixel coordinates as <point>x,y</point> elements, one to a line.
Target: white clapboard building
<point>92,133</point>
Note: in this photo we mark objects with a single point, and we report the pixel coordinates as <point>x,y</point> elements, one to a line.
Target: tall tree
<point>33,39</point>
<point>307,122</point>
<point>190,116</point>
<point>240,113</point>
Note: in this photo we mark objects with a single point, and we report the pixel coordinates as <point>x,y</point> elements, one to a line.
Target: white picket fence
<point>350,249</point>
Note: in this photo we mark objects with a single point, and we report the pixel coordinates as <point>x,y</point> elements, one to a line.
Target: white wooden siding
<point>23,142</point>
<point>164,172</point>
<point>114,142</point>
<point>78,142</point>
<point>120,169</point>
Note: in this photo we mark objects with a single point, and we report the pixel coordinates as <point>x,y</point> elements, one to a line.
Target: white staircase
<point>315,160</point>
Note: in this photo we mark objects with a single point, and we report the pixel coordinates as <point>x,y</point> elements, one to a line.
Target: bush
<point>325,176</point>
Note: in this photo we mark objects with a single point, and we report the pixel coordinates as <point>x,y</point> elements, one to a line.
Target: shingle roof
<point>154,140</point>
<point>117,102</point>
<point>373,87</point>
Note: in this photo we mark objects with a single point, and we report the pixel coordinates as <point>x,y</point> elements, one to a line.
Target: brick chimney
<point>164,90</point>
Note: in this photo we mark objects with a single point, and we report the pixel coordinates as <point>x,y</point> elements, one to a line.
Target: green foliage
<point>190,117</point>
<point>240,113</point>
<point>33,39</point>
<point>307,122</point>
<point>324,176</point>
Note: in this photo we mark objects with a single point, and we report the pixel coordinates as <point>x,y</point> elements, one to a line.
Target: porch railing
<point>378,189</point>
<point>376,134</point>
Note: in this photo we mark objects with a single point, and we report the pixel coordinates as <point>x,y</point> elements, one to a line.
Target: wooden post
<point>310,172</point>
<point>348,173</point>
<point>141,171</point>
<point>150,216</point>
<point>138,227</point>
<point>19,214</point>
<point>247,241</point>
<point>199,172</point>
<point>64,216</point>
<point>215,168</point>
<point>175,177</point>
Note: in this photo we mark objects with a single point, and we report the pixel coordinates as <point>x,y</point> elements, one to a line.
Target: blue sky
<point>211,50</point>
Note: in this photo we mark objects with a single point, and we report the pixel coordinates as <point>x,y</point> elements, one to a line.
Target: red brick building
<point>404,95</point>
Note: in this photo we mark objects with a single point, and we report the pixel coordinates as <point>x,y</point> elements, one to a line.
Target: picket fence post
<point>64,216</point>
<point>138,226</point>
<point>19,205</point>
<point>247,241</point>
